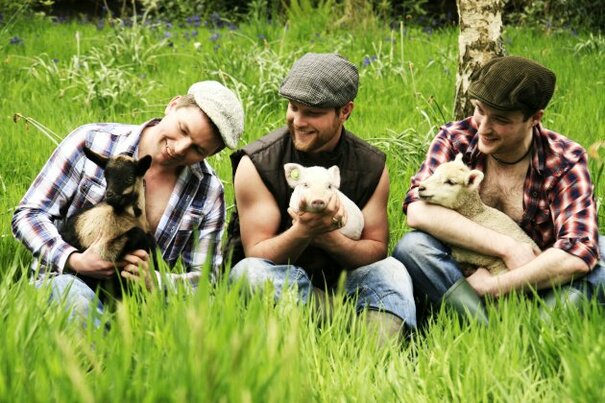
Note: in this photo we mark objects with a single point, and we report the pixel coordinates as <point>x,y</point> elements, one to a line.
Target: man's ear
<point>171,104</point>
<point>346,110</point>
<point>537,117</point>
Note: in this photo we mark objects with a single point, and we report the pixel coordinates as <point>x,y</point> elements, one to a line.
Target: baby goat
<point>118,225</point>
<point>456,186</point>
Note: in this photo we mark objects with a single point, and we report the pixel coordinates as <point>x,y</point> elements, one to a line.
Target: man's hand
<point>484,283</point>
<point>135,268</point>
<point>519,254</point>
<point>331,218</point>
<point>90,264</point>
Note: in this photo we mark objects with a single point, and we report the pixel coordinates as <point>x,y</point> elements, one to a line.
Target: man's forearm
<point>280,249</point>
<point>551,268</point>
<point>452,228</point>
<point>351,253</point>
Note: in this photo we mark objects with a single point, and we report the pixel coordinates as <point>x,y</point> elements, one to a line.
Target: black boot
<point>386,327</point>
<point>465,300</point>
<point>564,298</point>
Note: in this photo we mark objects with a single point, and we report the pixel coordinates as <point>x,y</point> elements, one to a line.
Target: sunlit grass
<point>218,346</point>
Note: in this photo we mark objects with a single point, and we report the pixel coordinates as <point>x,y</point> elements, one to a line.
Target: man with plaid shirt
<point>183,196</point>
<point>537,177</point>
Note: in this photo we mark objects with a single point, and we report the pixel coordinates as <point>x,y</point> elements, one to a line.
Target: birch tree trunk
<point>480,40</point>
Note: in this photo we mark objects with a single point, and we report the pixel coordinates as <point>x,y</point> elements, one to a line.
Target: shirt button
<point>534,194</point>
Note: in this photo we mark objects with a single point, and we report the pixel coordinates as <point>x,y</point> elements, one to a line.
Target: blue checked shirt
<point>190,228</point>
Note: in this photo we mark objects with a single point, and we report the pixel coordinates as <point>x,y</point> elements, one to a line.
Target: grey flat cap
<point>323,80</point>
<point>222,107</point>
<point>513,83</point>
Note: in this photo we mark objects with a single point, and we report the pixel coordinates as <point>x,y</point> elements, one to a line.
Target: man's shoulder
<point>561,147</point>
<point>359,144</point>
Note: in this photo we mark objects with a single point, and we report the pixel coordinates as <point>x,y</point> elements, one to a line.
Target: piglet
<point>317,185</point>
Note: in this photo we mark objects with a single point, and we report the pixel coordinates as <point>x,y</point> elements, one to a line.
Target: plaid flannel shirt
<point>190,228</point>
<point>558,203</point>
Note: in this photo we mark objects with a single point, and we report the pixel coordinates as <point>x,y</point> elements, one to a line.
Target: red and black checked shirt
<point>558,203</point>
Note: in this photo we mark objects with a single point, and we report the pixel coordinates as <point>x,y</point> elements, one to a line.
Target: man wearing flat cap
<point>184,198</point>
<point>306,251</point>
<point>537,177</point>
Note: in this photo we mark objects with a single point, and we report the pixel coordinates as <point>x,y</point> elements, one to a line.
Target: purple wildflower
<point>15,40</point>
<point>214,37</point>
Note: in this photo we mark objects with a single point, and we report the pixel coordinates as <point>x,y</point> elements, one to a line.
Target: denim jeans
<point>79,298</point>
<point>434,271</point>
<point>384,285</point>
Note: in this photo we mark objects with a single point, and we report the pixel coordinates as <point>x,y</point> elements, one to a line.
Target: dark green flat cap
<point>322,80</point>
<point>513,83</point>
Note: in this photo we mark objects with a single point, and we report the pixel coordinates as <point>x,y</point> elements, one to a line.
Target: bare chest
<point>157,196</point>
<point>504,192</point>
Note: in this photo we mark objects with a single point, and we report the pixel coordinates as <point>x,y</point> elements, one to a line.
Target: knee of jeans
<point>70,287</point>
<point>414,243</point>
<point>252,269</point>
<point>388,273</point>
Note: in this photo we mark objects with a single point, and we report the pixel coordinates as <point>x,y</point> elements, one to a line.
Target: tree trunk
<point>480,40</point>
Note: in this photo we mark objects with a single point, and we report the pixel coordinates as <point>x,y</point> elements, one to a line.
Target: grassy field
<point>214,346</point>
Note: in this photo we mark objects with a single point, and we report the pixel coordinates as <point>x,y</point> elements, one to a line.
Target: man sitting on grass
<point>184,197</point>
<point>306,251</point>
<point>537,177</point>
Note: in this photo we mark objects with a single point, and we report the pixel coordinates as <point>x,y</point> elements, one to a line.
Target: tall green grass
<point>217,345</point>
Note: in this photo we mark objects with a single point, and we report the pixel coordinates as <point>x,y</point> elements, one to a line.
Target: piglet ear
<point>293,173</point>
<point>96,158</point>
<point>474,178</point>
<point>334,172</point>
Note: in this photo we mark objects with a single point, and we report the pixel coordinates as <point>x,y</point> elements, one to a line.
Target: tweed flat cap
<point>222,107</point>
<point>323,80</point>
<point>513,83</point>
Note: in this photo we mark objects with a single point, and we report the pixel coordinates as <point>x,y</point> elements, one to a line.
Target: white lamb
<point>456,186</point>
<point>318,185</point>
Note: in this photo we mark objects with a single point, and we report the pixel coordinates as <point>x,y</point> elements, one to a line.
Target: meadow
<point>214,345</point>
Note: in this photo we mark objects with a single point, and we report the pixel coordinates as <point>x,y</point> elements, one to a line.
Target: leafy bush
<point>576,14</point>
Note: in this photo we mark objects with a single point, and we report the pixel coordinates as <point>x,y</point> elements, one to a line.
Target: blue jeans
<point>434,271</point>
<point>384,285</point>
<point>79,298</point>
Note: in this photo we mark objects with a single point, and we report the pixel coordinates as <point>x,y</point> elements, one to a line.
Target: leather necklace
<point>513,162</point>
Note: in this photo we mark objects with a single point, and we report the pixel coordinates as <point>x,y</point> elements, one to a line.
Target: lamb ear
<point>474,178</point>
<point>459,158</point>
<point>96,158</point>
<point>293,173</point>
<point>334,172</point>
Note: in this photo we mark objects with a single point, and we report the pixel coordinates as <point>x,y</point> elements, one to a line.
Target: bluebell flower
<point>214,37</point>
<point>168,25</point>
<point>167,34</point>
<point>55,60</point>
<point>368,59</point>
<point>232,26</point>
<point>262,37</point>
<point>193,33</point>
<point>15,40</point>
<point>100,24</point>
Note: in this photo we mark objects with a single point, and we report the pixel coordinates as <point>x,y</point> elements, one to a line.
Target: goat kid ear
<point>334,172</point>
<point>293,173</point>
<point>96,158</point>
<point>143,165</point>
<point>474,178</point>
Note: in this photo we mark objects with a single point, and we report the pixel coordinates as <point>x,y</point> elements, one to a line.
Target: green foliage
<point>555,14</point>
<point>112,76</point>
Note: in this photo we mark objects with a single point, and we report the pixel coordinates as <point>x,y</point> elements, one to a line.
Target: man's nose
<point>483,126</point>
<point>182,145</point>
